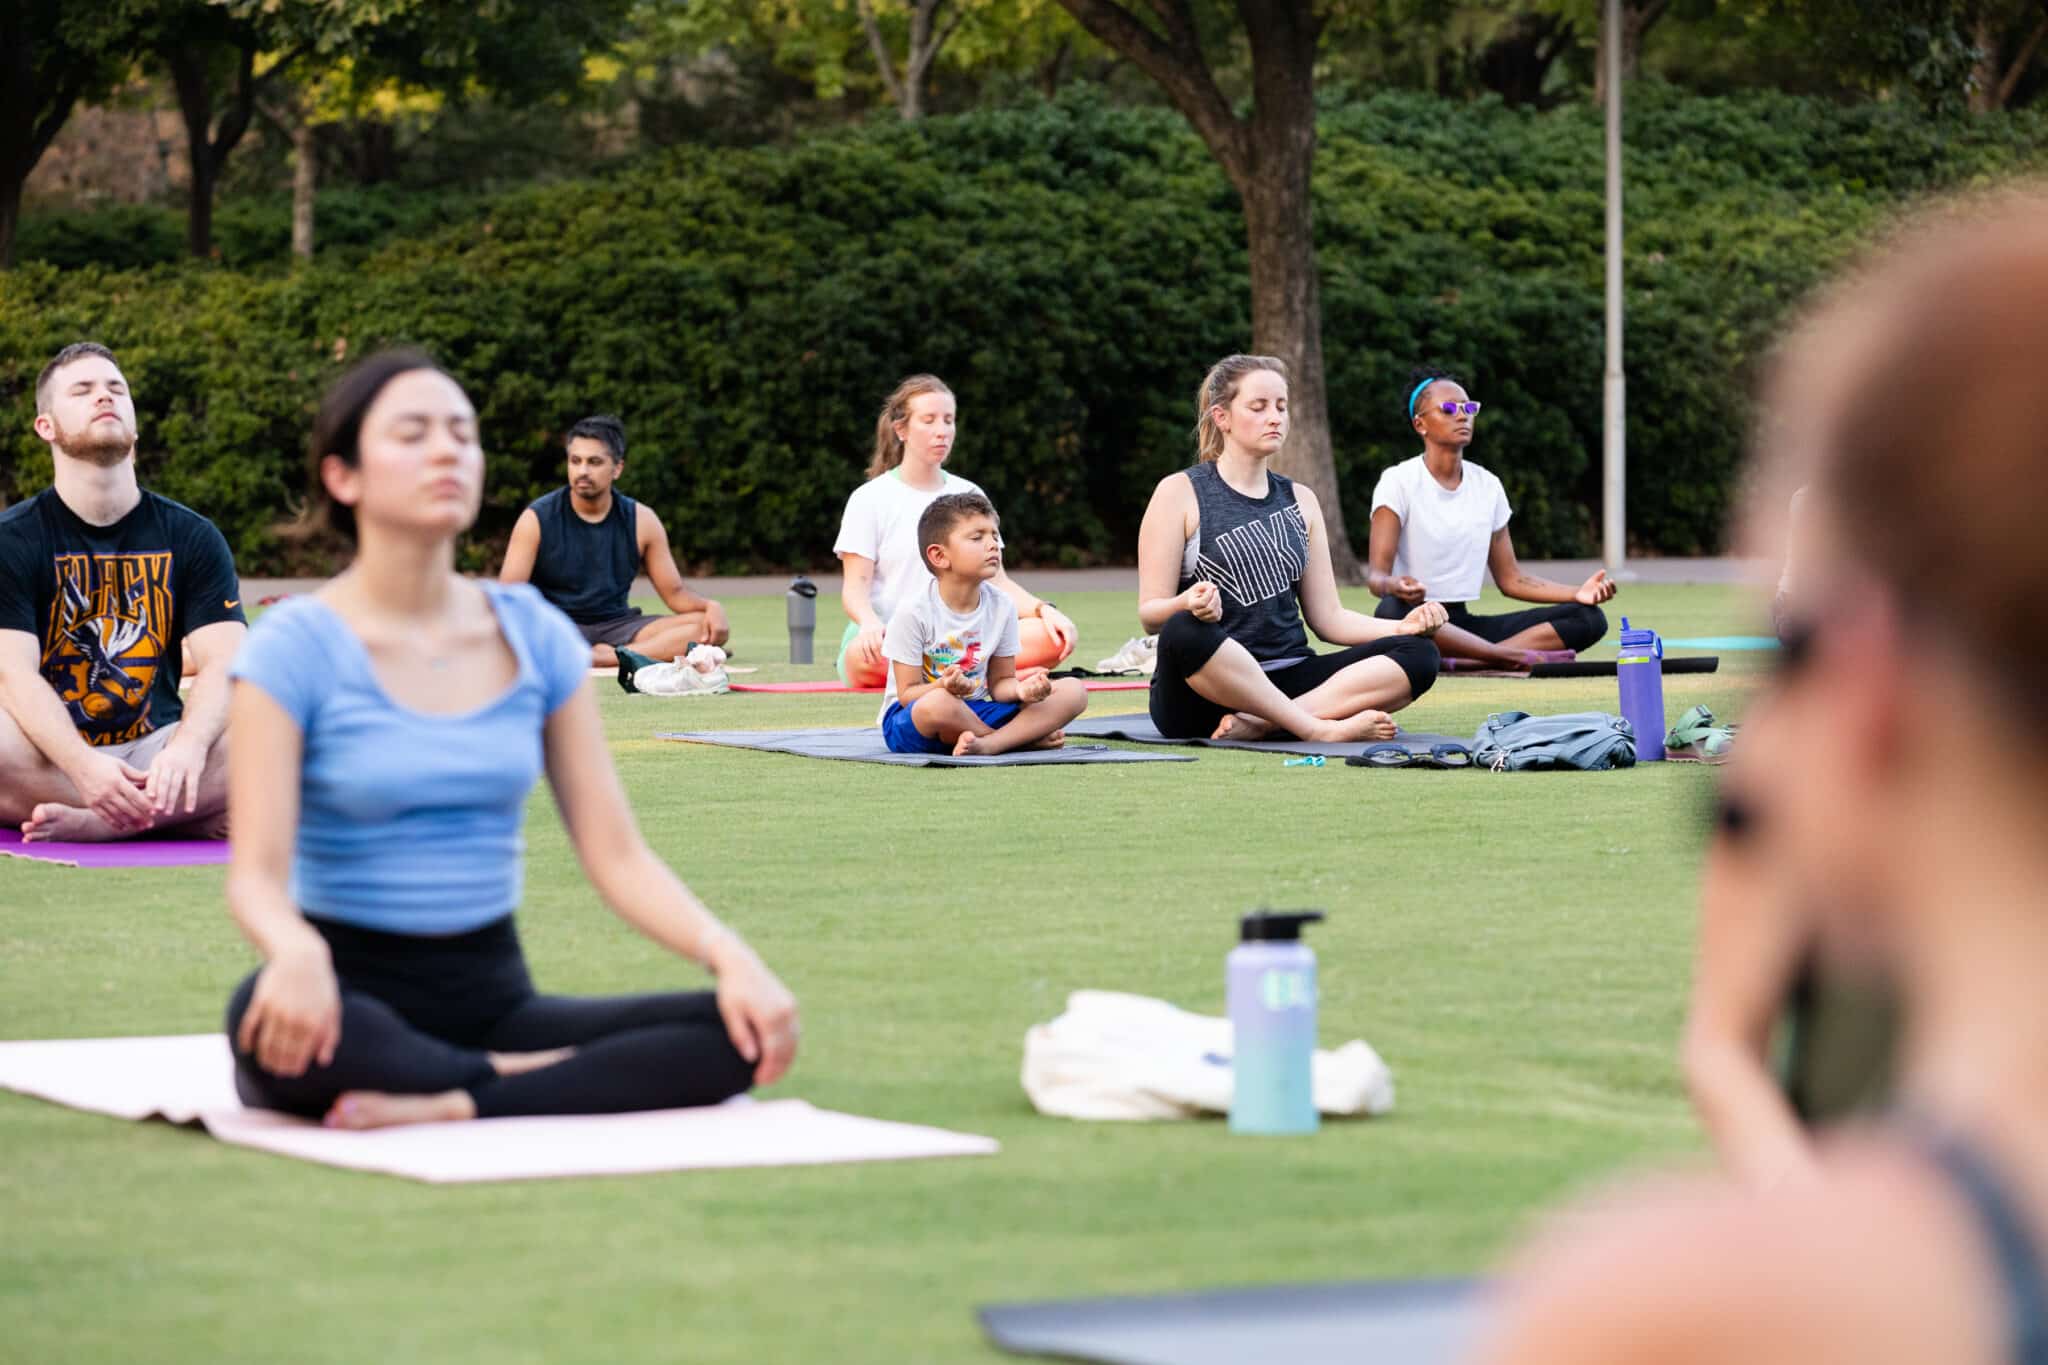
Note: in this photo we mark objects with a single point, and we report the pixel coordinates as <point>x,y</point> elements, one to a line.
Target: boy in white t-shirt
<point>952,649</point>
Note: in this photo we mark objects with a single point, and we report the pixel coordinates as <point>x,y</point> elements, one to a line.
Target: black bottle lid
<point>1265,926</point>
<point>803,587</point>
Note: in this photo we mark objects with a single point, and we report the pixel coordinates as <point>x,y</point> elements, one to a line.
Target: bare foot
<point>965,744</point>
<point>358,1109</point>
<point>1056,740</point>
<point>1243,727</point>
<point>518,1063</point>
<point>1369,725</point>
<point>53,822</point>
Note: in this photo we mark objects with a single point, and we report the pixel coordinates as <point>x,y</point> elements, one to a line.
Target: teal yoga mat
<point>1729,642</point>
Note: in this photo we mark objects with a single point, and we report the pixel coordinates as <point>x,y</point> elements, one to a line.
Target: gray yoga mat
<point>1138,729</point>
<point>868,746</point>
<point>1366,1322</point>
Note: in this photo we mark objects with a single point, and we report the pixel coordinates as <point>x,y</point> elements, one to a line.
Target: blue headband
<point>1417,394</point>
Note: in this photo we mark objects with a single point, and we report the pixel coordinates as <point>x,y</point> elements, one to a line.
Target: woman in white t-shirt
<point>878,536</point>
<point>1440,523</point>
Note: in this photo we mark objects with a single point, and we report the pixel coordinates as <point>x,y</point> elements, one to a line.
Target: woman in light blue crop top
<point>390,728</point>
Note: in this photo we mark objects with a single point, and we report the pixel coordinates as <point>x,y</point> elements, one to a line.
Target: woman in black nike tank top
<point>1231,558</point>
<point>1893,781</point>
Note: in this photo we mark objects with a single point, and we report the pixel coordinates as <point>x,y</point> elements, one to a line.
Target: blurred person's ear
<point>1863,674</point>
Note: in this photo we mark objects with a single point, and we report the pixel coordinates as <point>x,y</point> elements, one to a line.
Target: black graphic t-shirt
<point>111,605</point>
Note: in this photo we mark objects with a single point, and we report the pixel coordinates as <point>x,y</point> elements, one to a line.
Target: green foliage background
<point>1071,269</point>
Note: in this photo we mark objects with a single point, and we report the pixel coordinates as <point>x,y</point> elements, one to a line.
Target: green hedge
<point>248,232</point>
<point>1071,269</point>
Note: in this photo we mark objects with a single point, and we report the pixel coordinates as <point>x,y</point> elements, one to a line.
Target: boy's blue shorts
<point>905,738</point>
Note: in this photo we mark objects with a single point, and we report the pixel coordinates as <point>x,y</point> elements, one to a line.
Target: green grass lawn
<point>1517,947</point>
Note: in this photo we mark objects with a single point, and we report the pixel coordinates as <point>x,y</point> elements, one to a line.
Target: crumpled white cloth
<point>1119,1056</point>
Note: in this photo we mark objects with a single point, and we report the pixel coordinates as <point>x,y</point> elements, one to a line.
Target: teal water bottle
<point>1270,980</point>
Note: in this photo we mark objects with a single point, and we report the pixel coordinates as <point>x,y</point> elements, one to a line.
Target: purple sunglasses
<point>1453,409</point>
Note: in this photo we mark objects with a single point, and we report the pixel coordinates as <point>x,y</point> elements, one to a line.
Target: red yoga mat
<point>1092,684</point>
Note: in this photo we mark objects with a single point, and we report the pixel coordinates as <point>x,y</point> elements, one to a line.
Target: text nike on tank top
<point>1254,550</point>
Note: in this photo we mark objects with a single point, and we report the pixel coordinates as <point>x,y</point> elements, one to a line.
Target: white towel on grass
<point>189,1079</point>
<point>1118,1056</point>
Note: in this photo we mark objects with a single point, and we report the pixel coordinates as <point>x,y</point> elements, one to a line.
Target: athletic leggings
<point>419,1014</point>
<point>1577,624</point>
<point>1186,643</point>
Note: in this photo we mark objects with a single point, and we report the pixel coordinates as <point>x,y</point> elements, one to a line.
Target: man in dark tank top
<point>584,544</point>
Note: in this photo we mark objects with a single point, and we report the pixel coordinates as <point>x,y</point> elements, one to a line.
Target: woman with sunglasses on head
<point>1895,786</point>
<point>388,730</point>
<point>1440,523</point>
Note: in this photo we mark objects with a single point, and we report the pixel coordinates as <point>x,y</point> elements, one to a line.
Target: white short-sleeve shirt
<point>1445,532</point>
<point>931,636</point>
<point>881,524</point>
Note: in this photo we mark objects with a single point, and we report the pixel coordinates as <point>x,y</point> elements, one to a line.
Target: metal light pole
<point>1614,455</point>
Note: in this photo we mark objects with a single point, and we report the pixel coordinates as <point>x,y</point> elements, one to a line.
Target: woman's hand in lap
<point>1409,589</point>
<point>1426,619</point>
<point>294,1015</point>
<point>1058,626</point>
<point>759,1012</point>
<point>867,647</point>
<point>1204,601</point>
<point>1596,589</point>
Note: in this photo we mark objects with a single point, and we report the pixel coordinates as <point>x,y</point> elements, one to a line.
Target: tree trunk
<point>305,178</point>
<point>30,115</point>
<point>1287,307</point>
<point>10,218</point>
<point>209,146</point>
<point>195,109</point>
<point>1269,162</point>
<point>1984,75</point>
<point>1991,91</point>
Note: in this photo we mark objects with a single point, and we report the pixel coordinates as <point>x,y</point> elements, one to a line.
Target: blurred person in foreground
<point>1894,786</point>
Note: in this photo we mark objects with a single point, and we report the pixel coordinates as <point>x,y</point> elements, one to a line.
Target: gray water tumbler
<point>803,618</point>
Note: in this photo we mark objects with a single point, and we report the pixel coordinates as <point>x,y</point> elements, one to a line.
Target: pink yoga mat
<point>122,853</point>
<point>1092,684</point>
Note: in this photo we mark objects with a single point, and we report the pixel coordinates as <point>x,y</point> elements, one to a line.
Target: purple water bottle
<point>1271,984</point>
<point>1641,668</point>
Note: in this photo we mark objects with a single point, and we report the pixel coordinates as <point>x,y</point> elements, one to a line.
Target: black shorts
<point>1186,643</point>
<point>615,630</point>
<point>1577,625</point>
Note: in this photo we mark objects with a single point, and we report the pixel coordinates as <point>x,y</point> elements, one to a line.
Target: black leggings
<point>1577,625</point>
<point>1186,643</point>
<point>419,1014</point>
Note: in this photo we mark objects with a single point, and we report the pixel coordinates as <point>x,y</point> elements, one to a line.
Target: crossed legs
<point>36,795</point>
<point>1208,684</point>
<point>662,638</point>
<point>940,715</point>
<point>1505,640</point>
<point>547,1055</point>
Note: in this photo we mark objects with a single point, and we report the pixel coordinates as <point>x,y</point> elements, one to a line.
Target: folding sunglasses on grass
<point>1401,756</point>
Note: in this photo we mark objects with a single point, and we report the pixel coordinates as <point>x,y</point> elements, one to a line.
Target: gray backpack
<point>1515,741</point>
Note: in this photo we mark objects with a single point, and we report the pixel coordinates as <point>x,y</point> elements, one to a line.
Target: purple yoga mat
<point>123,853</point>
